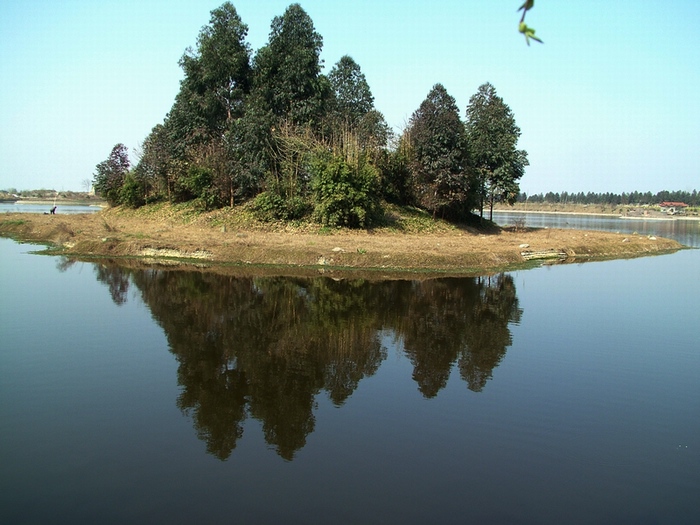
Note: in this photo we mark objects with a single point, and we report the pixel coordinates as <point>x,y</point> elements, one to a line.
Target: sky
<point>609,103</point>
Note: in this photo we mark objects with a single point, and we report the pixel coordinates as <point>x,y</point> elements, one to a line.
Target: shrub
<point>197,184</point>
<point>345,194</point>
<point>270,206</point>
<point>132,192</point>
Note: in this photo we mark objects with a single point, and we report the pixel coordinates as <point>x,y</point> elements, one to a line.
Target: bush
<point>132,192</point>
<point>345,195</point>
<point>270,206</point>
<point>395,177</point>
<point>197,184</point>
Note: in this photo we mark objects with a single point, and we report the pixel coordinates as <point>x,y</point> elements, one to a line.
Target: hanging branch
<point>523,28</point>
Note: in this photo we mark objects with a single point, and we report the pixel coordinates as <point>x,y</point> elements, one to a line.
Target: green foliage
<point>287,70</point>
<point>250,151</point>
<point>155,168</point>
<point>132,192</point>
<point>110,174</point>
<point>492,137</point>
<point>345,194</point>
<point>293,147</point>
<point>238,128</point>
<point>352,98</point>
<point>353,125</point>
<point>439,167</point>
<point>634,198</point>
<point>395,174</point>
<point>270,206</point>
<point>528,32</point>
<point>217,75</point>
<point>373,133</point>
<point>197,184</point>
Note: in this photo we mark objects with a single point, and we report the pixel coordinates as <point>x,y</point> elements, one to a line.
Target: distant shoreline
<point>38,202</point>
<point>621,212</point>
<point>600,214</point>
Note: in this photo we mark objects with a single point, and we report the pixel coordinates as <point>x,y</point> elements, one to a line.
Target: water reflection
<point>265,348</point>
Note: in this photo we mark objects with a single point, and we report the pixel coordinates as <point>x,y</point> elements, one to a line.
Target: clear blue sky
<point>610,102</point>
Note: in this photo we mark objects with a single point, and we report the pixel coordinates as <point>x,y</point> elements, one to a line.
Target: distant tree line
<point>270,129</point>
<point>43,193</point>
<point>632,198</point>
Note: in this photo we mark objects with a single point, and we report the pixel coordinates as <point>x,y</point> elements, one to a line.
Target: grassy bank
<point>410,241</point>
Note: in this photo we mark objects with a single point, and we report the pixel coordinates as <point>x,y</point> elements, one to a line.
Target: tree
<point>492,136</point>
<point>395,169</point>
<point>155,166</point>
<point>132,192</point>
<point>352,96</point>
<point>111,173</point>
<point>212,99</point>
<point>287,69</point>
<point>437,140</point>
<point>249,147</point>
<point>354,122</point>
<point>284,113</point>
<point>217,75</point>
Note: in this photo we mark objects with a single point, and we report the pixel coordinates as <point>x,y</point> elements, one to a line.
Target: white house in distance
<point>673,208</point>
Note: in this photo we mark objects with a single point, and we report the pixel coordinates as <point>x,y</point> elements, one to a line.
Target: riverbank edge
<point>136,240</point>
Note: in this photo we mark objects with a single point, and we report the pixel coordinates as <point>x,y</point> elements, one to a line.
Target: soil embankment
<point>167,234</point>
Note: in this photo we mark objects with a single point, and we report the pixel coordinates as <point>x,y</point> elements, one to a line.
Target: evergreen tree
<point>111,173</point>
<point>436,136</point>
<point>218,73</point>
<point>492,136</point>
<point>353,121</point>
<point>287,70</point>
<point>352,96</point>
<point>154,167</point>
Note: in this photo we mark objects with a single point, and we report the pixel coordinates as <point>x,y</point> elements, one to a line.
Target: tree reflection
<point>489,336</point>
<point>266,348</point>
<point>116,279</point>
<point>465,320</point>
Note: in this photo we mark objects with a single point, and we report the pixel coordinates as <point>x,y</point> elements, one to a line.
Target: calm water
<point>685,231</point>
<point>563,394</point>
<point>6,207</point>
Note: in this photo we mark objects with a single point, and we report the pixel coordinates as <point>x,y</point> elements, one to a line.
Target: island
<point>229,239</point>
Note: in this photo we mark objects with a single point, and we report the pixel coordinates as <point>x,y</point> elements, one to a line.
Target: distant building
<point>673,208</point>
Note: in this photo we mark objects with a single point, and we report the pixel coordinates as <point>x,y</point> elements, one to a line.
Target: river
<point>684,230</point>
<point>561,394</point>
<point>34,207</point>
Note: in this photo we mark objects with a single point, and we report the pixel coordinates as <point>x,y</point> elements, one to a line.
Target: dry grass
<point>410,241</point>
